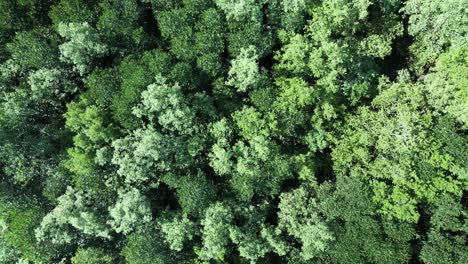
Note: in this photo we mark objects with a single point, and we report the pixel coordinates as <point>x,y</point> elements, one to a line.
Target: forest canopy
<point>233,131</point>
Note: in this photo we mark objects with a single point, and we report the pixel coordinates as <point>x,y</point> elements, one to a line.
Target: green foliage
<point>298,217</point>
<point>446,242</point>
<point>446,85</point>
<point>17,166</point>
<point>177,232</point>
<point>73,11</point>
<point>58,178</point>
<point>19,221</point>
<point>35,49</point>
<point>32,103</point>
<point>209,41</point>
<point>145,154</point>
<point>147,247</point>
<point>361,236</point>
<point>93,131</point>
<point>49,86</point>
<point>338,56</point>
<point>292,14</point>
<point>220,155</point>
<point>119,24</point>
<point>292,107</point>
<point>174,25</point>
<point>430,157</point>
<point>137,74</point>
<point>435,25</point>
<point>250,243</point>
<point>91,256</point>
<point>7,253</point>
<point>259,169</point>
<point>101,84</point>
<point>240,10</point>
<point>215,231</point>
<point>244,73</point>
<point>166,102</point>
<point>194,193</point>
<point>243,34</point>
<point>130,210</point>
<point>20,15</point>
<point>233,131</point>
<point>84,46</point>
<point>73,210</point>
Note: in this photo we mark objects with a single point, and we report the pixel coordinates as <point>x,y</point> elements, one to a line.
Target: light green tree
<point>164,104</point>
<point>50,86</point>
<point>178,231</point>
<point>131,210</point>
<point>91,256</point>
<point>244,73</point>
<point>83,46</point>
<point>241,10</point>
<point>73,213</point>
<point>407,155</point>
<point>298,217</point>
<point>435,26</point>
<point>215,233</point>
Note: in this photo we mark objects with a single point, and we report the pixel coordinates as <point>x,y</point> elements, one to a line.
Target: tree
<point>147,247</point>
<point>338,56</point>
<point>240,10</point>
<point>176,26</point>
<point>7,252</point>
<point>165,102</point>
<point>91,256</point>
<point>177,232</point>
<point>50,86</point>
<point>406,155</point>
<point>245,33</point>
<point>145,154</point>
<point>298,218</point>
<point>93,134</point>
<point>445,241</point>
<point>120,27</point>
<point>444,85</point>
<point>73,11</point>
<point>73,210</point>
<point>35,86</point>
<point>247,234</point>
<point>434,27</point>
<point>233,131</point>
<point>360,235</point>
<point>136,73</point>
<point>194,193</point>
<point>131,210</point>
<point>84,46</point>
<point>19,221</point>
<point>215,232</point>
<point>35,49</point>
<point>293,14</point>
<point>259,170</point>
<point>209,42</point>
<point>220,155</point>
<point>244,73</point>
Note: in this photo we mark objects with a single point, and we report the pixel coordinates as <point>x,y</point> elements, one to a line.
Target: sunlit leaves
<point>165,103</point>
<point>215,232</point>
<point>407,155</point>
<point>131,210</point>
<point>84,45</point>
<point>298,217</point>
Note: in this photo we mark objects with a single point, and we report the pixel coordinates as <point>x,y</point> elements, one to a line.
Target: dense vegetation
<point>233,131</point>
